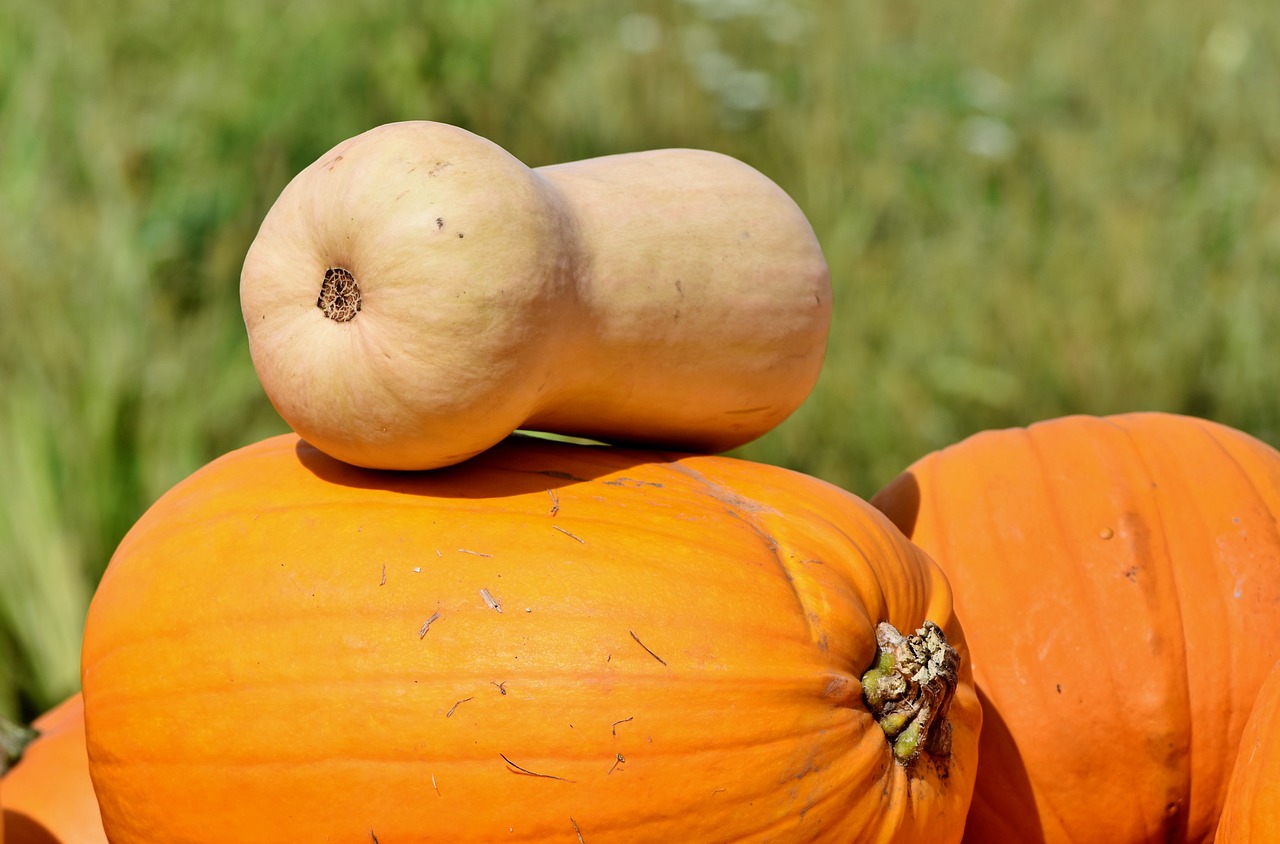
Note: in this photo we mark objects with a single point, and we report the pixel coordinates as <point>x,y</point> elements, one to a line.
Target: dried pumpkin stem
<point>13,741</point>
<point>910,687</point>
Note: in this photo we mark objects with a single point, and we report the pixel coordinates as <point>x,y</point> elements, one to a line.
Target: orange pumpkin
<point>1251,814</point>
<point>47,797</point>
<point>1120,583</point>
<point>547,642</point>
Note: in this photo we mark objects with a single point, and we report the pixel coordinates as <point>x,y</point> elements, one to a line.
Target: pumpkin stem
<point>909,689</point>
<point>13,740</point>
<point>339,295</point>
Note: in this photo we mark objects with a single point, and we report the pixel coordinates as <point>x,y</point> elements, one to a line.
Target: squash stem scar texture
<point>339,298</point>
<point>910,687</point>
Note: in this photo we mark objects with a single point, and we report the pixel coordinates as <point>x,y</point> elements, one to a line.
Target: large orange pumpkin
<point>47,797</point>
<point>1251,814</point>
<point>1119,579</point>
<point>550,642</point>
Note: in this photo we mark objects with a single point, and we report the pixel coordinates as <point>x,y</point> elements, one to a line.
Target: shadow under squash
<point>518,465</point>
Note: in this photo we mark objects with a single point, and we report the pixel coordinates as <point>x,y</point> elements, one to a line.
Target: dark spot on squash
<point>439,223</point>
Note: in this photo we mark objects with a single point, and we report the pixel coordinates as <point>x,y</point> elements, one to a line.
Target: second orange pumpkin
<point>1120,583</point>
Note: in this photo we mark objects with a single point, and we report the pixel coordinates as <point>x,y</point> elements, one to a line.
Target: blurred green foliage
<point>1030,208</point>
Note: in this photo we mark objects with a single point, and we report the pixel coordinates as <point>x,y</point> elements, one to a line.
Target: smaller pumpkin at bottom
<point>47,797</point>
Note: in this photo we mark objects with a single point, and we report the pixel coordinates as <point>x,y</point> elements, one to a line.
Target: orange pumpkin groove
<point>290,648</point>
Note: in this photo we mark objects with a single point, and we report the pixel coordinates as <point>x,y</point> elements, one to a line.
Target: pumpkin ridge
<point>745,510</point>
<point>1157,579</point>
<point>1212,436</point>
<point>1176,809</point>
<point>763,680</point>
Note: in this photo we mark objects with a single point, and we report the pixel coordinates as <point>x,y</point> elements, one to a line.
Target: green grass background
<point>1030,208</point>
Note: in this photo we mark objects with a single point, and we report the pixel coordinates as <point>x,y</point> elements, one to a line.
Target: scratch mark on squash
<point>646,647</point>
<point>621,721</point>
<point>449,714</point>
<point>474,553</point>
<point>555,503</point>
<point>529,773</point>
<point>625,481</point>
<point>570,535</point>
<point>576,830</point>
<point>427,624</point>
<point>436,787</point>
<point>494,603</point>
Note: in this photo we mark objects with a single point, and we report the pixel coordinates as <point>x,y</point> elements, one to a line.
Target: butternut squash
<point>417,294</point>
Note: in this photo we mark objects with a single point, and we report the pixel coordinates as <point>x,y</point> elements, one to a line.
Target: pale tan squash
<point>417,294</point>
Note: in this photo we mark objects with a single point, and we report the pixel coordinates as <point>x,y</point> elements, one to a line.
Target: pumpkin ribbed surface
<point>549,642</point>
<point>1119,579</point>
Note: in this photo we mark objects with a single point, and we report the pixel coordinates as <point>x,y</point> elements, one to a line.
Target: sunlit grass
<point>1030,209</point>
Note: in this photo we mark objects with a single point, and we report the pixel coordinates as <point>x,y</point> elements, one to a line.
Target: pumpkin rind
<point>417,294</point>
<point>47,797</point>
<point>1251,813</point>
<point>547,641</point>
<point>1119,579</point>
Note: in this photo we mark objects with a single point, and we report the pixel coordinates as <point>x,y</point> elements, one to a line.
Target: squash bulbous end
<point>909,689</point>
